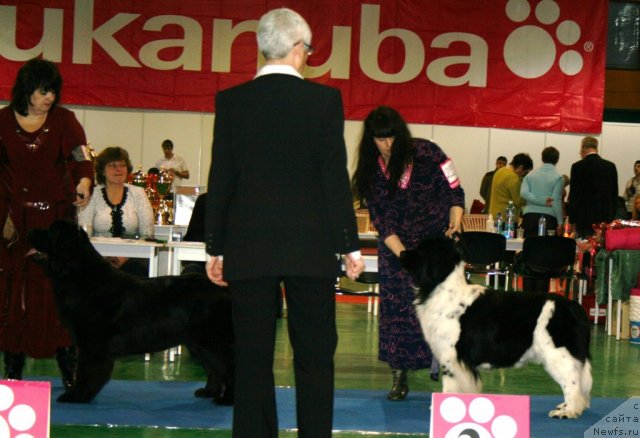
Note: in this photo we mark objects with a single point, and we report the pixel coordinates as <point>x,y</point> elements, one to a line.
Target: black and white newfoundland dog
<point>470,327</point>
<point>110,313</point>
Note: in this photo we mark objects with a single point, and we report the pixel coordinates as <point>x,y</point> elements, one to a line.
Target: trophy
<point>138,178</point>
<point>164,211</point>
<point>151,190</point>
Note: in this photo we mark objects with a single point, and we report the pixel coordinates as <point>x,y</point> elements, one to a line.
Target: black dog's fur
<point>469,326</point>
<point>110,314</point>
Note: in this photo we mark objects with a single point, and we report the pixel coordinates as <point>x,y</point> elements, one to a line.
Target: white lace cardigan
<point>137,214</point>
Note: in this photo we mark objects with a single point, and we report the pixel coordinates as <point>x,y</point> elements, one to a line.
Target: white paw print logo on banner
<point>474,416</point>
<point>24,409</point>
<point>531,51</point>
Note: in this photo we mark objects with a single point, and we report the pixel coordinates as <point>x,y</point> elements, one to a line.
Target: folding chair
<point>547,257</point>
<point>484,253</point>
<point>474,222</point>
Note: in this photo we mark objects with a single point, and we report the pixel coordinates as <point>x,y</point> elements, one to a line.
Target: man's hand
<point>353,267</point>
<point>214,271</point>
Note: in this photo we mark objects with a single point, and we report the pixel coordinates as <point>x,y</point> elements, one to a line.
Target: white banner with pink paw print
<point>479,415</point>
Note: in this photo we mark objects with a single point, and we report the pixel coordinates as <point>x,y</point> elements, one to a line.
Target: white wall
<point>473,150</point>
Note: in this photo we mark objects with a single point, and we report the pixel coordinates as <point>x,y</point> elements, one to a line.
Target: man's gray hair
<point>279,30</point>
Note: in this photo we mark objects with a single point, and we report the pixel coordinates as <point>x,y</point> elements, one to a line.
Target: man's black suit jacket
<point>593,193</point>
<point>279,201</point>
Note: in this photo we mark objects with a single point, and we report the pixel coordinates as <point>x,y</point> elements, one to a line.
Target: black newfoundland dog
<point>111,314</point>
<point>469,327</point>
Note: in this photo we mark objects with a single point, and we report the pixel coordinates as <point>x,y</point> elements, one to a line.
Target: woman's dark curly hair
<point>382,122</point>
<point>109,155</point>
<point>35,74</point>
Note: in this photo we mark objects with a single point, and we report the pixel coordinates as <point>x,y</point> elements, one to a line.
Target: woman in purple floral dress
<point>412,191</point>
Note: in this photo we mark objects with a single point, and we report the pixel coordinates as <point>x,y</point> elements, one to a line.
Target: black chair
<point>484,254</point>
<point>546,257</point>
<point>371,279</point>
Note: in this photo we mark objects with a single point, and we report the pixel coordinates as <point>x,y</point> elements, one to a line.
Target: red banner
<point>523,64</point>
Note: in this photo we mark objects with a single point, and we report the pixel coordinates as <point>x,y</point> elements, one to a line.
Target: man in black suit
<point>280,208</point>
<point>594,189</point>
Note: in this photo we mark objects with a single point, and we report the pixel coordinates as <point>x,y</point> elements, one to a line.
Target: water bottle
<point>510,223</point>
<point>542,226</point>
<point>490,224</point>
<point>498,224</point>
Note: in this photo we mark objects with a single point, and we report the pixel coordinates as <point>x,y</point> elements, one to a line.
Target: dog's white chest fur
<point>440,314</point>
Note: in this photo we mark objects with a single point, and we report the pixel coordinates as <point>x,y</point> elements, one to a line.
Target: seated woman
<point>118,209</point>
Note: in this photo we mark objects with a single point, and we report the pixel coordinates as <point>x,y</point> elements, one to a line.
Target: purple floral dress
<point>414,212</point>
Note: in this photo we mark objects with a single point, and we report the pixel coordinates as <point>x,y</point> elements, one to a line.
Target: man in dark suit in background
<point>487,179</point>
<point>593,191</point>
<point>279,208</point>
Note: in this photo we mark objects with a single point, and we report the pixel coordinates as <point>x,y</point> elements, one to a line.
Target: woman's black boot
<point>66,358</point>
<point>13,365</point>
<point>400,386</point>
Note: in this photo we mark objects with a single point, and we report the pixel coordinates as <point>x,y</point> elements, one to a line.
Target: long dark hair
<point>35,74</point>
<point>382,122</point>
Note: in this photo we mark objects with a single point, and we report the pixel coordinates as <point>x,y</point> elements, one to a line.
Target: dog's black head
<point>431,263</point>
<point>59,248</point>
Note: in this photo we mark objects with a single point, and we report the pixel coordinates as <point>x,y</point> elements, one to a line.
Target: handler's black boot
<point>66,358</point>
<point>13,365</point>
<point>400,386</point>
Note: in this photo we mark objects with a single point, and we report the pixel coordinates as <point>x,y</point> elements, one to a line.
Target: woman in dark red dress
<point>44,175</point>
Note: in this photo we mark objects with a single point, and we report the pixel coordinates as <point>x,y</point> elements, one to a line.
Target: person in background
<point>594,189</point>
<point>506,185</point>
<point>632,188</point>
<point>279,208</point>
<point>173,163</point>
<point>412,191</point>
<point>118,209</point>
<point>542,191</point>
<point>45,173</point>
<point>487,179</point>
<point>635,214</point>
<point>565,192</point>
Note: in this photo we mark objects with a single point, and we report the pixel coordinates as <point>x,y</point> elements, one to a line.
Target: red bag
<point>476,207</point>
<point>622,238</point>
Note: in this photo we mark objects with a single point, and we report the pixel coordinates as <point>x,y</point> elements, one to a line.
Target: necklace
<point>117,227</point>
<point>32,142</point>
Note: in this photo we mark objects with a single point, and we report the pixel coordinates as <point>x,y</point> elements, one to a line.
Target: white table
<point>165,232</point>
<point>514,244</point>
<point>116,247</point>
<point>184,251</point>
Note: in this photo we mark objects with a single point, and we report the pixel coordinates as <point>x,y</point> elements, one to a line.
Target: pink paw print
<point>18,419</point>
<point>478,420</point>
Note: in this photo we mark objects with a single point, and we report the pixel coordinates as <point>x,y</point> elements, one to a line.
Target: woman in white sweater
<point>117,209</point>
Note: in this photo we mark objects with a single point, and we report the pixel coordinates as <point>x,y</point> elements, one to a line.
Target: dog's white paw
<point>564,413</point>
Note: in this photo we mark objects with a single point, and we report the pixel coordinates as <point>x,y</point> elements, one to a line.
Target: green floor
<point>616,373</point>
